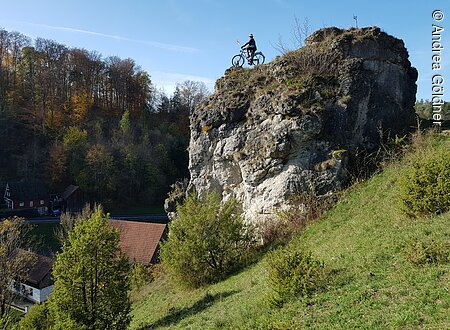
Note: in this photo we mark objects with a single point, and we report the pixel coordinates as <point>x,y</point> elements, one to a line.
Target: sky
<point>178,40</point>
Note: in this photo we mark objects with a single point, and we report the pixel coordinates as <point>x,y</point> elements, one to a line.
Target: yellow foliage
<point>54,119</point>
<point>7,60</point>
<point>81,102</point>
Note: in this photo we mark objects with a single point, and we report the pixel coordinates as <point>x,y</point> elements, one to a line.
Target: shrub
<point>293,273</point>
<point>428,251</point>
<point>425,188</point>
<point>304,208</point>
<point>206,242</point>
<point>37,318</point>
<point>140,276</point>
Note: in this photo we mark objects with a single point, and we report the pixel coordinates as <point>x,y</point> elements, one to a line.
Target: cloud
<point>155,44</point>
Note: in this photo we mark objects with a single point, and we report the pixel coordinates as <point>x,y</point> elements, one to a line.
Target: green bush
<point>140,276</point>
<point>207,241</point>
<point>428,251</point>
<point>293,273</point>
<point>37,318</point>
<point>425,188</point>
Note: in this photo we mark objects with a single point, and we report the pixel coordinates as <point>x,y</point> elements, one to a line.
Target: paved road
<point>144,218</point>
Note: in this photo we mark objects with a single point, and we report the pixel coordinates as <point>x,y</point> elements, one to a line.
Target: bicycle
<point>239,59</point>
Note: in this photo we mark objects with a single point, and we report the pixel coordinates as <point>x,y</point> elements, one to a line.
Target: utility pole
<point>356,20</point>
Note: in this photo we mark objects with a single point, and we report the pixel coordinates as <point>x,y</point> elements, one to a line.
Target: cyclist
<point>250,46</point>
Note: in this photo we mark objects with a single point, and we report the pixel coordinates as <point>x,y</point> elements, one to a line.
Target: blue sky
<point>177,40</point>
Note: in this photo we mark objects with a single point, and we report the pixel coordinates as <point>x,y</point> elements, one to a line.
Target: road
<point>160,218</point>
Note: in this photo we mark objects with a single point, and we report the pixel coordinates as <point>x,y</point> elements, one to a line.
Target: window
<point>42,202</point>
<point>26,291</point>
<point>21,203</point>
<point>31,203</point>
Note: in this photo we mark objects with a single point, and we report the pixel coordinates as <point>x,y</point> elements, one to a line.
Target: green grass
<point>42,235</point>
<point>16,315</point>
<point>363,241</point>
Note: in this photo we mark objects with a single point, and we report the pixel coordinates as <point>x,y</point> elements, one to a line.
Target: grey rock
<point>271,132</point>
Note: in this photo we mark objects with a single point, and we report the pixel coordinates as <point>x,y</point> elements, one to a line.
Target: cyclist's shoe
<point>250,62</point>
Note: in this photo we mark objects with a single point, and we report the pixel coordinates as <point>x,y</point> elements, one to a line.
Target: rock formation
<point>291,126</point>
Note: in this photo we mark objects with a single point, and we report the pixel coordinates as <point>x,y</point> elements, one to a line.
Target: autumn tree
<point>81,102</point>
<point>91,278</point>
<point>13,265</point>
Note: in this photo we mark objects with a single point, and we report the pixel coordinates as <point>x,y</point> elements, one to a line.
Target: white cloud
<point>156,44</point>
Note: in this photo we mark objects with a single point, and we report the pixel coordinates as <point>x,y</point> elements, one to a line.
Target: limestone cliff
<point>290,126</point>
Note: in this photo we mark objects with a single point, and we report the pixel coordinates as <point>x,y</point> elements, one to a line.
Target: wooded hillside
<point>71,116</point>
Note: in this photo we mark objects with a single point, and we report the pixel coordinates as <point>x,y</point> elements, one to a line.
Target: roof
<point>69,191</point>
<point>38,269</point>
<point>139,240</point>
<point>30,189</point>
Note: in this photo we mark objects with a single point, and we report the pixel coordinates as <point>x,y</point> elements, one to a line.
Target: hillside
<point>363,240</point>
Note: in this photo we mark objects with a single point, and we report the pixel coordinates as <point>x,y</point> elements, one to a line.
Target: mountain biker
<point>250,46</point>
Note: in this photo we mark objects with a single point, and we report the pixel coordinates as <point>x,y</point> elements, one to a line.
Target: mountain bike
<point>239,59</point>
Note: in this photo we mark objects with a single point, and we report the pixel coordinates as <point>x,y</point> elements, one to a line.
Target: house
<point>73,199</point>
<point>27,194</point>
<point>37,283</point>
<point>139,241</point>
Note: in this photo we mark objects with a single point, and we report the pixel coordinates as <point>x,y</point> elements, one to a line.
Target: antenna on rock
<point>356,20</point>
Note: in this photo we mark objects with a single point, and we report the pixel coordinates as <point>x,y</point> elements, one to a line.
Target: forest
<point>71,116</point>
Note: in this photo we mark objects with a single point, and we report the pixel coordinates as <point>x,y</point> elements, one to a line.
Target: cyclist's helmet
<point>250,35</point>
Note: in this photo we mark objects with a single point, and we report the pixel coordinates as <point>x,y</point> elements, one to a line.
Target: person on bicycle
<point>250,46</point>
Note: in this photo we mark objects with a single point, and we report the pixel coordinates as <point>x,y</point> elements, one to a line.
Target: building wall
<point>44,293</point>
<point>34,294</point>
<point>42,208</point>
<point>35,203</point>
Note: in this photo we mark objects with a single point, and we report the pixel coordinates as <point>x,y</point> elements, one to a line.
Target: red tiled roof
<point>139,240</point>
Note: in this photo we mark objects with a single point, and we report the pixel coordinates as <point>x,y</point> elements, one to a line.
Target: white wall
<point>34,295</point>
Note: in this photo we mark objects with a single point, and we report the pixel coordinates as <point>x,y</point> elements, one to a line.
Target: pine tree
<point>91,278</point>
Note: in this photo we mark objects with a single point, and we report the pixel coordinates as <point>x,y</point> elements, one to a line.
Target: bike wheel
<point>237,60</point>
<point>259,58</point>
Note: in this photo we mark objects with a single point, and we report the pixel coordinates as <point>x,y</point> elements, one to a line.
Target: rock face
<point>292,126</point>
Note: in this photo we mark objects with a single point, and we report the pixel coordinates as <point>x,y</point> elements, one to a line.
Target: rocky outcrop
<point>291,126</point>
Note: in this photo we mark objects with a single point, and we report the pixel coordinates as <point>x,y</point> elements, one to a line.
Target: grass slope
<point>363,239</point>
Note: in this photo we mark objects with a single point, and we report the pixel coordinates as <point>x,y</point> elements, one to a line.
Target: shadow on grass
<point>176,315</point>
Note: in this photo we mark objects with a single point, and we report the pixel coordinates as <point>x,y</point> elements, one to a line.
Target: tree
<point>81,102</point>
<point>300,31</point>
<point>189,94</point>
<point>56,166</point>
<point>91,278</point>
<point>98,171</point>
<point>13,264</point>
<point>206,241</point>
